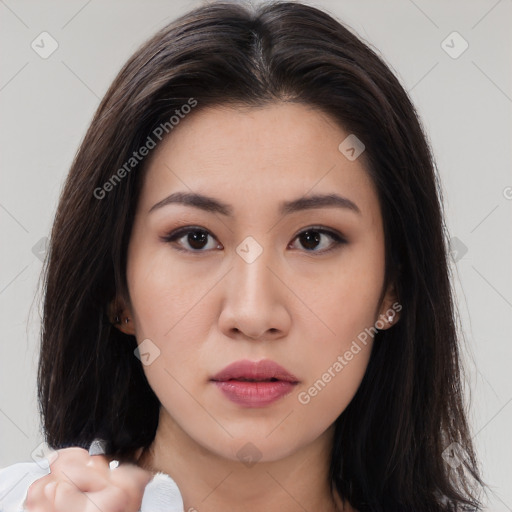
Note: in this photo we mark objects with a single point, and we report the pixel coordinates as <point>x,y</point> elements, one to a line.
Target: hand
<point>79,482</point>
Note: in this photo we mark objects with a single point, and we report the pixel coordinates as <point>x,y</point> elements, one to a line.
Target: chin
<point>259,447</point>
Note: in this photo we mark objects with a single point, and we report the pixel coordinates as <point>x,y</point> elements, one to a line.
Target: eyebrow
<point>212,205</point>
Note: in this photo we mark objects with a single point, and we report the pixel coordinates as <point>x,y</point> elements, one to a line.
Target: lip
<point>254,383</point>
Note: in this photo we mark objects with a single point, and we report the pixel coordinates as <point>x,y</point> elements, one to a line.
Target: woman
<point>247,291</point>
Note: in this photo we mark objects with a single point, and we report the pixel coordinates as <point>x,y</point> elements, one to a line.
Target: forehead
<point>257,155</point>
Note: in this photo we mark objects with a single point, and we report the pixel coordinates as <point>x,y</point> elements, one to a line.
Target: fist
<point>79,482</point>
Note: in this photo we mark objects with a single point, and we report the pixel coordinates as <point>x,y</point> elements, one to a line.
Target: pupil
<point>310,237</point>
<point>197,239</point>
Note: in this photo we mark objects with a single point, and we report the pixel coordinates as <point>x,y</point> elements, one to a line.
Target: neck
<point>211,483</point>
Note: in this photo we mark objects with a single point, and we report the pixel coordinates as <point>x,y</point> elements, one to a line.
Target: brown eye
<point>317,240</point>
<point>310,239</point>
<point>192,239</point>
<point>197,239</point>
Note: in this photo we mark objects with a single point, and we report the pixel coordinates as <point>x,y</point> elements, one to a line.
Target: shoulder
<point>15,481</point>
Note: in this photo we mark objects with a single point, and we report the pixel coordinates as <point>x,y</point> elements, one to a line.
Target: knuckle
<point>98,463</point>
<point>35,490</point>
<point>73,453</point>
<point>74,463</point>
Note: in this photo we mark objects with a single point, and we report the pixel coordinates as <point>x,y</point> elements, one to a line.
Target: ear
<point>390,308</point>
<point>120,316</point>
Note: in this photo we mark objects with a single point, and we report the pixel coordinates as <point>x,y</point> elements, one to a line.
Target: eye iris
<point>197,239</point>
<point>310,237</point>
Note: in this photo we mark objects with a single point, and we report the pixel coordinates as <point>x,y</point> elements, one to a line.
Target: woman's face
<point>274,267</point>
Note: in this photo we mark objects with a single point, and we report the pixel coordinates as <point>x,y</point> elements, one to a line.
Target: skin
<point>83,483</point>
<point>295,304</point>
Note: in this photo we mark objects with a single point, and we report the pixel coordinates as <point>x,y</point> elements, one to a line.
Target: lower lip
<point>254,394</point>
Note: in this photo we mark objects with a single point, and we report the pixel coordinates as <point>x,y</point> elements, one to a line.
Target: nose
<point>254,304</point>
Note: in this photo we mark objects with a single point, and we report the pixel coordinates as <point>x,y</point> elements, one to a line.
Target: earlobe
<point>125,325</point>
<point>392,315</point>
<point>389,317</point>
<point>120,316</point>
<point>391,307</point>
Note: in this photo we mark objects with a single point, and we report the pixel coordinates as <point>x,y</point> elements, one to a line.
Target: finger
<point>63,456</point>
<point>96,463</point>
<point>62,496</point>
<point>84,478</point>
<point>35,493</point>
<point>113,499</point>
<point>49,491</point>
<point>99,463</point>
<point>67,498</point>
<point>40,498</point>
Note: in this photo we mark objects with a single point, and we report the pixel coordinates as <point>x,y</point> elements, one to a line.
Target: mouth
<point>243,379</point>
<point>254,384</point>
<point>251,371</point>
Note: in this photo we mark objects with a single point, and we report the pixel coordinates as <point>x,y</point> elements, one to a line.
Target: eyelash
<point>337,239</point>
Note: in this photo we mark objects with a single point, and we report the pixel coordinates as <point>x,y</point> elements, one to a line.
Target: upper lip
<point>255,370</point>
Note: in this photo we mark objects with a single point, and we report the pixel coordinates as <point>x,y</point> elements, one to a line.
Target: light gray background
<point>465,105</point>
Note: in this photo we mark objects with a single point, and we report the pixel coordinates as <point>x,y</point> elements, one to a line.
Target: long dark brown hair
<point>389,452</point>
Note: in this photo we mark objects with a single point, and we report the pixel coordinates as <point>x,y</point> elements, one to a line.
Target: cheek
<point>328,395</point>
<point>339,350</point>
<point>346,299</point>
<point>337,362</point>
<point>163,293</point>
<point>171,310</point>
